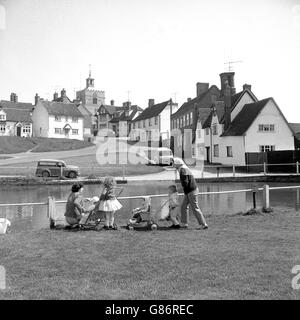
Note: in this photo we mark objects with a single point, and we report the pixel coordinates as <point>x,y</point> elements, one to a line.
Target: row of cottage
<point>219,125</point>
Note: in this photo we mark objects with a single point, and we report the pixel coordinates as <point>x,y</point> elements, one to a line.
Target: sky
<point>154,49</point>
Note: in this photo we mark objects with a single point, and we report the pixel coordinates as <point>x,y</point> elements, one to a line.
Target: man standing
<point>190,190</point>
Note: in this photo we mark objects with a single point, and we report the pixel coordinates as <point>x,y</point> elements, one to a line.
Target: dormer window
<point>2,115</point>
<point>94,100</point>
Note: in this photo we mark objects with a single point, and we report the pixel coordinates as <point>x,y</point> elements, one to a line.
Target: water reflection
<point>36,217</point>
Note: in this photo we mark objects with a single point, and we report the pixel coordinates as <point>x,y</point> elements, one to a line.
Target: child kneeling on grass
<point>109,203</point>
<point>173,207</point>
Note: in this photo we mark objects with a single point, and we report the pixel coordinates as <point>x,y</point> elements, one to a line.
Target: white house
<point>154,122</point>
<point>15,118</point>
<point>57,120</point>
<point>246,125</point>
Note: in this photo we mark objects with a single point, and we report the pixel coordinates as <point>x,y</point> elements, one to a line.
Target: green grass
<point>238,257</point>
<point>10,145</point>
<point>15,145</point>
<point>88,165</point>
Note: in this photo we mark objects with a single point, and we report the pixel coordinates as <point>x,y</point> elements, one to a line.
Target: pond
<point>36,217</point>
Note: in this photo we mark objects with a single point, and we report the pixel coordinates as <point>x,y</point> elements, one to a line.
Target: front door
<point>207,154</point>
<point>19,131</point>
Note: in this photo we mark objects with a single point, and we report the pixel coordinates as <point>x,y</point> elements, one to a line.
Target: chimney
<point>227,102</point>
<point>112,102</point>
<point>63,93</point>
<point>247,87</point>
<point>189,99</point>
<point>13,97</point>
<point>36,99</point>
<point>202,87</point>
<point>229,78</point>
<point>150,103</point>
<point>55,96</point>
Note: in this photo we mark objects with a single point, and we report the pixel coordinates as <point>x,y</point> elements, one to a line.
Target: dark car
<point>56,168</point>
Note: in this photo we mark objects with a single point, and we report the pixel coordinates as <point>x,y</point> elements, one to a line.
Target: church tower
<point>90,80</point>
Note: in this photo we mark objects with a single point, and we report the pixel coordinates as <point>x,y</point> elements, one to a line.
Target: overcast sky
<point>152,48</point>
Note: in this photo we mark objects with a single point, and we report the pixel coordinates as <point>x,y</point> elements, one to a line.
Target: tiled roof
<point>16,105</point>
<point>152,111</point>
<point>191,103</point>
<point>295,127</point>
<point>112,109</point>
<point>245,118</point>
<point>62,109</point>
<point>202,115</point>
<point>18,115</point>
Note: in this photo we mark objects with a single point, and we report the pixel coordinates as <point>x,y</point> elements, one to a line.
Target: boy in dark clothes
<point>190,190</point>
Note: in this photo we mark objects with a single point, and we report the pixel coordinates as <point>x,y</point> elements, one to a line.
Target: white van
<point>160,156</point>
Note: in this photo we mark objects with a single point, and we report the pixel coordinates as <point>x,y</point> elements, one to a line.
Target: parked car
<point>161,156</point>
<point>55,168</point>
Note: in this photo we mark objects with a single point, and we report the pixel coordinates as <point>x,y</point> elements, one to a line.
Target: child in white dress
<point>109,203</point>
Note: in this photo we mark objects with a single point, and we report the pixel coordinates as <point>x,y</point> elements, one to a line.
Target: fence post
<point>265,168</point>
<point>297,167</point>
<point>123,172</point>
<point>233,170</point>
<point>266,198</point>
<point>51,211</point>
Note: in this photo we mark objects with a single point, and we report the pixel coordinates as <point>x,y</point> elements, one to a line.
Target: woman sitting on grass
<point>74,207</point>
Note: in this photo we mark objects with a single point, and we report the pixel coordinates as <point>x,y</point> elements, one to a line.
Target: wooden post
<point>233,170</point>
<point>51,211</point>
<point>265,168</point>
<point>266,198</point>
<point>123,172</point>
<point>297,167</point>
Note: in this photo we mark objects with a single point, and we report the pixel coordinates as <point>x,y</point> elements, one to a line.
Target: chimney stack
<point>247,87</point>
<point>55,96</point>
<point>36,99</point>
<point>63,93</point>
<point>13,97</point>
<point>202,87</point>
<point>229,78</point>
<point>227,102</point>
<point>150,103</point>
<point>112,102</point>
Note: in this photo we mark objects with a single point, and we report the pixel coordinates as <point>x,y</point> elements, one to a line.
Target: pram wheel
<point>153,226</point>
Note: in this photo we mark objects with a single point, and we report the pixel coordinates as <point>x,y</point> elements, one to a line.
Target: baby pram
<point>148,219</point>
<point>95,218</point>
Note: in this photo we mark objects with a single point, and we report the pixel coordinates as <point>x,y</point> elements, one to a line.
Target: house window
<point>198,133</point>
<point>214,129</point>
<point>150,122</point>
<point>177,123</point>
<point>156,120</point>
<point>2,117</point>
<point>207,131</point>
<point>144,123</point>
<point>266,127</point>
<point>26,129</point>
<point>266,148</point>
<point>2,128</point>
<point>74,119</point>
<point>191,117</point>
<point>58,118</point>
<point>94,100</point>
<point>57,130</point>
<point>193,152</point>
<point>229,151</point>
<point>75,131</point>
<point>216,150</point>
<point>133,125</point>
<point>102,111</point>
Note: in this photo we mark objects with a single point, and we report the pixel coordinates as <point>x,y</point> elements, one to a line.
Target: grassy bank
<point>9,145</point>
<point>88,166</point>
<point>238,257</point>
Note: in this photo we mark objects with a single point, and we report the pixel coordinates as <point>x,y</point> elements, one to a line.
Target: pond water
<point>36,217</point>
